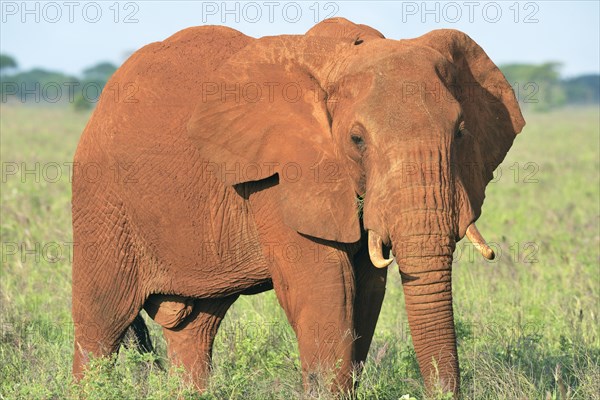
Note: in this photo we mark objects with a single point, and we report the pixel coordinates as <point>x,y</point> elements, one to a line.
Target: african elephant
<point>228,165</point>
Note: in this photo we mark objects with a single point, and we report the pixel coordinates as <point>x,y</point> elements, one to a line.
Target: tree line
<point>539,87</point>
<point>42,86</point>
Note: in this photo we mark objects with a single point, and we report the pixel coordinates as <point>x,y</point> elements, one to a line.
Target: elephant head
<point>414,127</point>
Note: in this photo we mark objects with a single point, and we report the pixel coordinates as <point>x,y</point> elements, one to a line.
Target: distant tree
<point>536,86</point>
<point>7,62</point>
<point>80,103</point>
<point>39,86</point>
<point>29,79</point>
<point>584,89</point>
<point>94,77</point>
<point>99,72</point>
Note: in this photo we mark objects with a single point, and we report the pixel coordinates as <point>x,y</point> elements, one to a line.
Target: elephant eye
<point>358,141</point>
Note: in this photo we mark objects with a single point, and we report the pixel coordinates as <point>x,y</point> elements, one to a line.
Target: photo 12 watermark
<point>53,252</point>
<point>453,12</point>
<point>267,12</point>
<point>53,12</point>
<point>327,171</point>
<point>67,92</point>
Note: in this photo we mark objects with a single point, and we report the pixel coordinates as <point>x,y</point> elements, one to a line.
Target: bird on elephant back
<point>235,150</point>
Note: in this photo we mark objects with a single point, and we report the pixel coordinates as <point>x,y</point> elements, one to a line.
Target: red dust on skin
<point>348,109</point>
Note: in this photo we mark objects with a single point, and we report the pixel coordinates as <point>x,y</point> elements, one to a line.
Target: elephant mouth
<point>473,234</point>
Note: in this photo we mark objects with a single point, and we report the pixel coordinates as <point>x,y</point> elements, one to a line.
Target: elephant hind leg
<point>100,337</point>
<point>190,342</point>
<point>106,293</point>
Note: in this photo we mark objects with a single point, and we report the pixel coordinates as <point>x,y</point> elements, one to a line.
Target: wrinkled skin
<point>188,193</point>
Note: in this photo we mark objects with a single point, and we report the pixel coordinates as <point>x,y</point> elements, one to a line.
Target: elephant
<point>218,165</point>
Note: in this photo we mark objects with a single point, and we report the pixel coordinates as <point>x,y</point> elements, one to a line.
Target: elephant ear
<point>491,113</point>
<point>265,114</point>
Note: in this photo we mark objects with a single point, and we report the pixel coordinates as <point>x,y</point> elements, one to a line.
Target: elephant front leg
<point>370,291</point>
<point>314,283</point>
<point>316,291</point>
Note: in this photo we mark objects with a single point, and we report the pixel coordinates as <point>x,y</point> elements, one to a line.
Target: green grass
<point>527,323</point>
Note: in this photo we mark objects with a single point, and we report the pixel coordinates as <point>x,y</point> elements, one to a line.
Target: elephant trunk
<point>427,283</point>
<point>423,231</point>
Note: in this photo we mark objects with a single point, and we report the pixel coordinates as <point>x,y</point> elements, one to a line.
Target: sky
<point>70,36</point>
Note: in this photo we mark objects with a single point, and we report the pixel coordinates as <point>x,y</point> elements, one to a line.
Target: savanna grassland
<point>527,323</point>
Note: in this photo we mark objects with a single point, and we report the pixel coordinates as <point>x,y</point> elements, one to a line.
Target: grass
<point>527,323</point>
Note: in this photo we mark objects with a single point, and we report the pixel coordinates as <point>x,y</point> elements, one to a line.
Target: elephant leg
<point>105,294</point>
<point>190,343</point>
<point>314,284</point>
<point>370,291</point>
<point>98,337</point>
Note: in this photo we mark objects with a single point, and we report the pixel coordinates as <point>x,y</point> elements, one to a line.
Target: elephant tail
<point>139,335</point>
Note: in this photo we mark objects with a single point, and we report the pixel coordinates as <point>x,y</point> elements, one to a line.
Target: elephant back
<point>149,99</point>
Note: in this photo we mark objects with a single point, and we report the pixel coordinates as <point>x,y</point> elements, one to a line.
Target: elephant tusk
<point>375,252</point>
<point>479,242</point>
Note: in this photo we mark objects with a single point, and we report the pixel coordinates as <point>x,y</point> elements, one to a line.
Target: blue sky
<point>70,36</point>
